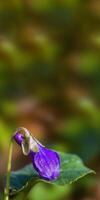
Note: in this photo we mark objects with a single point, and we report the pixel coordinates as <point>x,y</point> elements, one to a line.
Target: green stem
<point>6,194</point>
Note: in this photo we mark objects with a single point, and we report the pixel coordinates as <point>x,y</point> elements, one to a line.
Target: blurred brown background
<point>50,84</point>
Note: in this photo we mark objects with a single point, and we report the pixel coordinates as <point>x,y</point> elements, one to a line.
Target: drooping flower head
<point>45,161</point>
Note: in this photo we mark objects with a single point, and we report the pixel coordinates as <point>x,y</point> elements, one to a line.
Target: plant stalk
<point>6,192</point>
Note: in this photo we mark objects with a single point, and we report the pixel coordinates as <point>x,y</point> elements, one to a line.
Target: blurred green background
<point>50,84</point>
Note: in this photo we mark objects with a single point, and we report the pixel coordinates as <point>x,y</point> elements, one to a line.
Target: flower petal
<point>25,140</point>
<point>47,163</point>
<point>18,137</point>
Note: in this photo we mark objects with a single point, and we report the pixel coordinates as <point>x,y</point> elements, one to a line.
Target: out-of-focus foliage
<point>50,75</point>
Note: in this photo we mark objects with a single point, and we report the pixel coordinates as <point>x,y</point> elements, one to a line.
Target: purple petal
<point>18,137</point>
<point>46,162</point>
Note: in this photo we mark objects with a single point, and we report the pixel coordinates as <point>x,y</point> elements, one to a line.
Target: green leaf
<point>72,169</point>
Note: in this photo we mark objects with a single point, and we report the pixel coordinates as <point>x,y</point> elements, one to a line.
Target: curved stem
<point>6,193</point>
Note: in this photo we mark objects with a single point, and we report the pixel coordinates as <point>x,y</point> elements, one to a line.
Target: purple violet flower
<point>45,161</point>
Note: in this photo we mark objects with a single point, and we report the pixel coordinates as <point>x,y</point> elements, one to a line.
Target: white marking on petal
<point>26,146</point>
<point>38,142</point>
<point>33,145</point>
<point>28,142</point>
